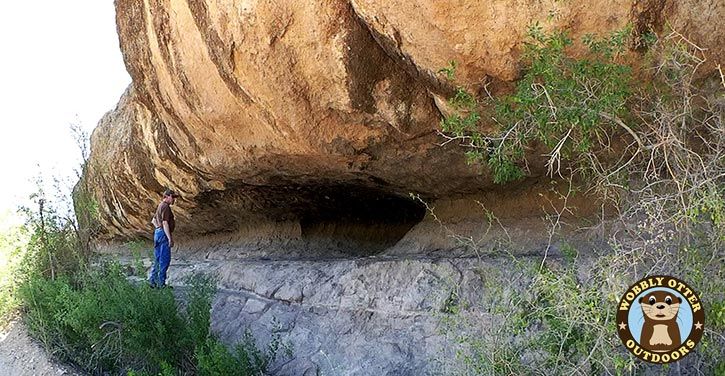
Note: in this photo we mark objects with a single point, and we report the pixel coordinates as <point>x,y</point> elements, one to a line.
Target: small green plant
<point>245,360</point>
<point>138,248</point>
<point>452,303</point>
<point>102,322</point>
<point>569,252</point>
<point>215,359</point>
<point>198,310</point>
<point>450,70</point>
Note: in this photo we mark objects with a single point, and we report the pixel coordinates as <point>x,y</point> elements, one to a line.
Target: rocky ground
<point>375,315</point>
<point>338,313</point>
<point>341,313</point>
<point>21,355</point>
<point>338,317</point>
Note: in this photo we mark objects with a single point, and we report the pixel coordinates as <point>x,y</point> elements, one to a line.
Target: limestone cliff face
<point>312,111</point>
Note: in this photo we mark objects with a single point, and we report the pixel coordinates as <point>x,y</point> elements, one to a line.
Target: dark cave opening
<point>353,219</point>
<point>362,220</point>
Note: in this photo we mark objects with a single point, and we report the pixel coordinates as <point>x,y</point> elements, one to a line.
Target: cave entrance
<point>358,221</point>
<point>335,219</point>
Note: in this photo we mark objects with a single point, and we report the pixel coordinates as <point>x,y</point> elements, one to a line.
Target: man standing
<point>163,241</point>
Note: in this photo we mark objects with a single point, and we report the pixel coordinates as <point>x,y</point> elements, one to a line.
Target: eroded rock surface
<point>310,111</point>
<point>372,316</point>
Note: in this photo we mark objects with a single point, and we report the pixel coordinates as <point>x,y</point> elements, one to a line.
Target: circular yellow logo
<point>660,319</point>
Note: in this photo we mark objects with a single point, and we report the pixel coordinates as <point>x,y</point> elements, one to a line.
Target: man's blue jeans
<point>162,259</point>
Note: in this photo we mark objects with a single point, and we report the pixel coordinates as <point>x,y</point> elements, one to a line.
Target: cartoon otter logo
<point>660,319</point>
<point>660,332</point>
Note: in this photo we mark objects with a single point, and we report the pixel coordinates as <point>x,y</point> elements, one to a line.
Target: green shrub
<point>567,104</point>
<point>560,317</point>
<point>52,248</point>
<point>213,358</point>
<point>104,322</point>
<point>198,309</point>
<point>139,249</point>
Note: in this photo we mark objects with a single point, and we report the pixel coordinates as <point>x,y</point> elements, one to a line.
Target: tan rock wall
<point>265,101</point>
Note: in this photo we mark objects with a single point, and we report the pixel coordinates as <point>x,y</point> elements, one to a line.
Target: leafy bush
<point>210,355</point>
<point>53,247</point>
<point>198,308</point>
<point>666,164</point>
<point>246,360</point>
<point>566,104</point>
<point>106,323</point>
<point>214,359</point>
<point>103,322</point>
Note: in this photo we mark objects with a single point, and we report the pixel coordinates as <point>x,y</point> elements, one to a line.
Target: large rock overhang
<point>315,112</point>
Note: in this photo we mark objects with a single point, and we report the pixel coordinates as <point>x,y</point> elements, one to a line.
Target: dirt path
<point>20,355</point>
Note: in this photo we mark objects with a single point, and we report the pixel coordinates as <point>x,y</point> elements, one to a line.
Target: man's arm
<point>168,233</point>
